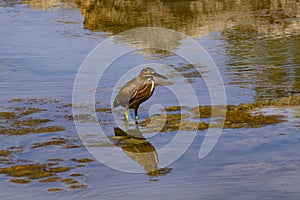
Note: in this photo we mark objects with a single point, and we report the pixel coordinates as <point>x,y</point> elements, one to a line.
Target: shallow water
<point>256,46</point>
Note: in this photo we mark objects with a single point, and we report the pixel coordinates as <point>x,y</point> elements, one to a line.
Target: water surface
<point>255,44</point>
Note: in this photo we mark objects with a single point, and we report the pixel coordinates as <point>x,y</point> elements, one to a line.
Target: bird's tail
<point>116,103</point>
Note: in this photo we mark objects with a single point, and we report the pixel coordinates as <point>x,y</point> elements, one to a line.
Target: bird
<point>137,91</point>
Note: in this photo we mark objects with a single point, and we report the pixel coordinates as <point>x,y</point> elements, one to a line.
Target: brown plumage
<point>137,91</point>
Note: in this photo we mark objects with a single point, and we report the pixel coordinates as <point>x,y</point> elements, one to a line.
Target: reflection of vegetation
<point>118,16</point>
<point>191,17</point>
<point>48,4</point>
<point>247,19</point>
<point>271,65</point>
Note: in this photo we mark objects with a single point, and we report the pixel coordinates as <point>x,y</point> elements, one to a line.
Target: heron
<point>137,91</point>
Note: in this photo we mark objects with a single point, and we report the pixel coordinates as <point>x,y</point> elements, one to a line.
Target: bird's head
<point>150,72</point>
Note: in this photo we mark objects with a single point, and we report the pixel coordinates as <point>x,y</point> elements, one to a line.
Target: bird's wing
<point>126,93</point>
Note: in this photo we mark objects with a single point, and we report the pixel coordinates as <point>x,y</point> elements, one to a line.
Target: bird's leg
<point>126,126</point>
<point>136,115</point>
<point>126,113</point>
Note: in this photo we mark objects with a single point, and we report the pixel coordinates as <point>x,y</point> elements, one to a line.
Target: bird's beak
<point>159,75</point>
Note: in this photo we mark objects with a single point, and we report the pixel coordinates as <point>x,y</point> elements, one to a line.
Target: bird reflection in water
<point>139,149</point>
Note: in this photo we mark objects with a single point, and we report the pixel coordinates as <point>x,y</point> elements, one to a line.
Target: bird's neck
<point>148,78</point>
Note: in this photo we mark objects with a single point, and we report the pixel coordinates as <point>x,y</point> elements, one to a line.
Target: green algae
<point>172,122</point>
<point>59,169</point>
<point>48,129</point>
<point>40,174</point>
<point>15,100</point>
<point>82,160</point>
<point>59,141</point>
<point>30,122</point>
<point>108,110</point>
<point>27,130</point>
<point>32,171</point>
<point>290,101</point>
<point>7,115</point>
<point>43,173</point>
<point>78,186</point>
<point>80,165</point>
<point>241,119</point>
<point>21,119</point>
<point>5,153</point>
<point>7,161</point>
<point>173,108</point>
<point>17,149</point>
<point>235,116</point>
<point>29,111</point>
<point>50,179</point>
<point>19,181</point>
<point>20,122</point>
<point>72,146</point>
<point>84,118</point>
<point>54,189</point>
<point>39,101</point>
<point>69,181</point>
<point>158,124</point>
<point>76,174</point>
<point>52,142</point>
<point>55,160</point>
